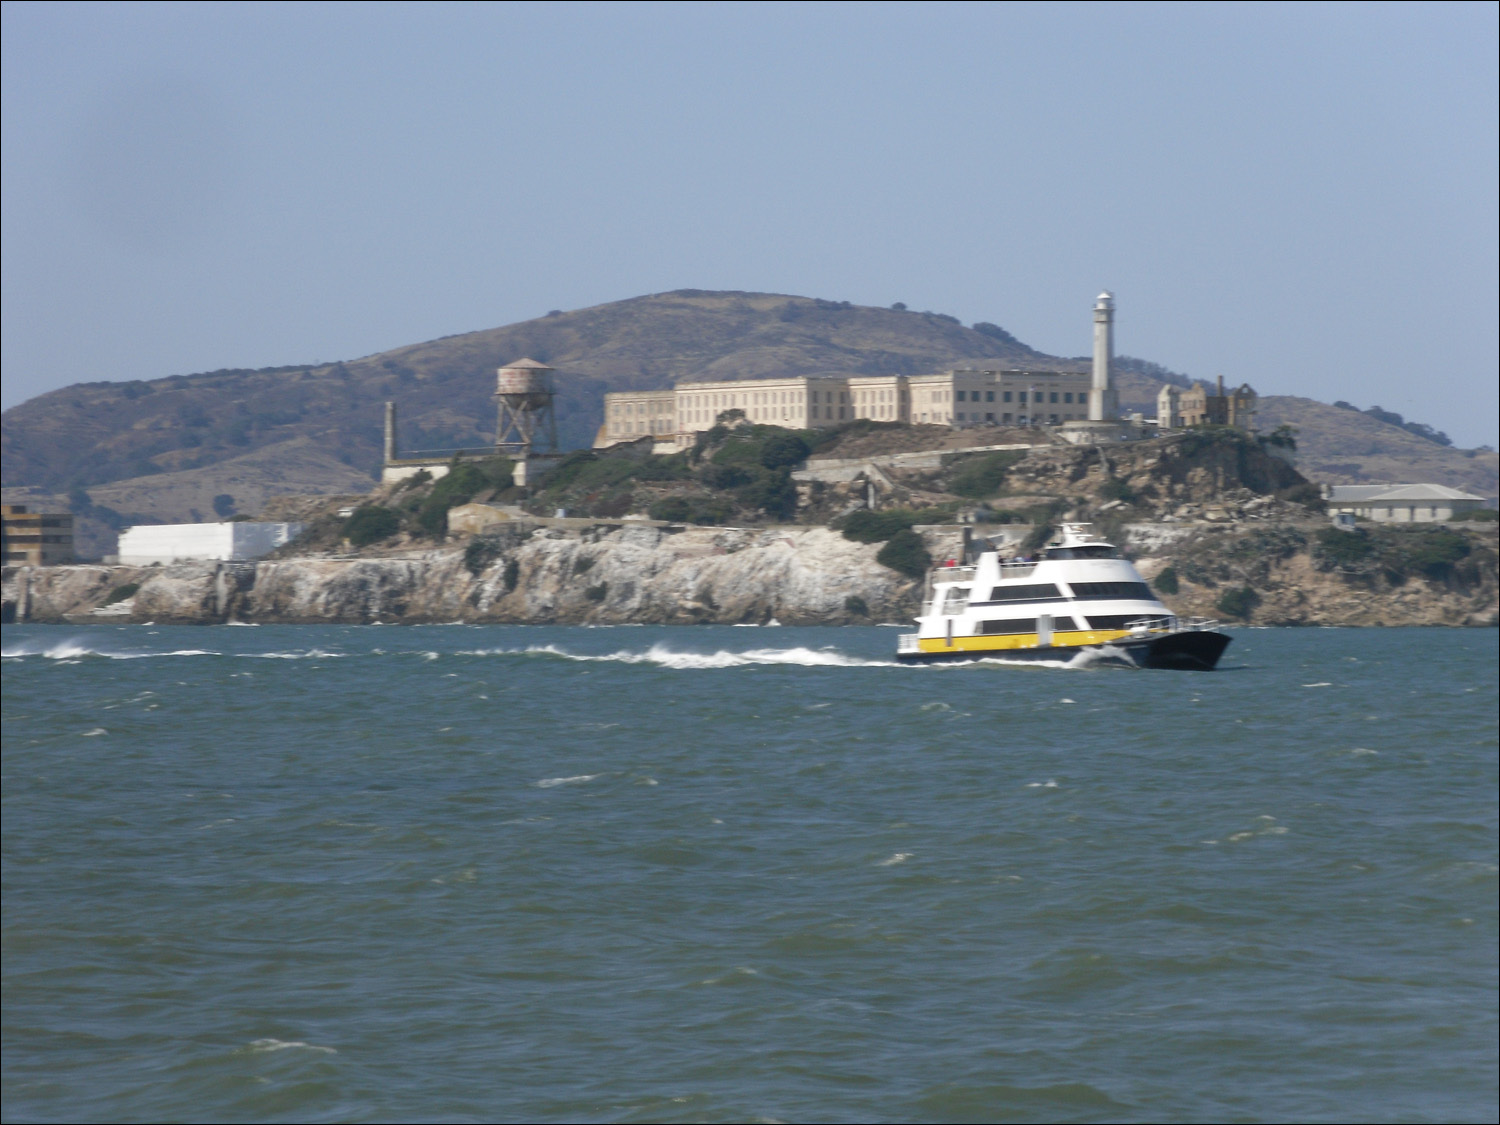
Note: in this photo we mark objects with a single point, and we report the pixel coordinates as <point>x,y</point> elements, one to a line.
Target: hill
<point>166,448</point>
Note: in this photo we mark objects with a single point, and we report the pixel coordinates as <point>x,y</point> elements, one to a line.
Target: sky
<point>1299,196</point>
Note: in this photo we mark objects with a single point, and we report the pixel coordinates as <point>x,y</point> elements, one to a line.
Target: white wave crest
<point>664,657</point>
<point>72,649</point>
<point>577,779</point>
<point>262,1045</point>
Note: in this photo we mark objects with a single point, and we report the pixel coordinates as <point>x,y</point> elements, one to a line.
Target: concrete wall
<point>221,542</point>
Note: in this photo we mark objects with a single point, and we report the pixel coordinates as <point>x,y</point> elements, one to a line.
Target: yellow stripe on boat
<point>1006,642</point>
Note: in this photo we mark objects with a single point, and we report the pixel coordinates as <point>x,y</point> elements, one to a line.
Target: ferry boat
<point>1076,595</point>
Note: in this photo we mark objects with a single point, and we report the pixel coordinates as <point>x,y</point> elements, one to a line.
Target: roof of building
<point>527,364</point>
<point>1395,493</point>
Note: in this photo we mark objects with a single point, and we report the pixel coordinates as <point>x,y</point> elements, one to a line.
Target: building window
<point>1053,398</point>
<point>989,416</point>
<point>1067,396</point>
<point>1007,399</point>
<point>989,396</point>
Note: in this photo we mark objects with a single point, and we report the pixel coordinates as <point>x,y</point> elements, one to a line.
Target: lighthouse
<point>1103,404</point>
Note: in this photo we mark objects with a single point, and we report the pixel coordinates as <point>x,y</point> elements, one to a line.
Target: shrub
<point>708,513</point>
<point>1117,489</point>
<point>614,506</point>
<point>772,492</point>
<point>865,526</point>
<point>1344,548</point>
<point>1476,515</point>
<point>1306,494</point>
<point>597,593</point>
<point>725,476</point>
<point>479,554</point>
<point>512,575</point>
<point>583,564</point>
<point>121,593</point>
<point>783,450</point>
<point>1435,553</point>
<point>1239,602</point>
<point>672,509</point>
<point>906,554</point>
<point>418,478</point>
<point>223,505</point>
<point>1037,539</point>
<point>1166,581</point>
<point>856,605</point>
<point>983,476</point>
<point>369,524</point>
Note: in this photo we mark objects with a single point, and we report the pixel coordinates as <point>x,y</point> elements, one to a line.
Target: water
<point>716,874</point>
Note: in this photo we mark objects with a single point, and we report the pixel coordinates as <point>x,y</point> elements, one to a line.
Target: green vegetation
<point>1116,489</point>
<point>1433,553</point>
<point>370,524</point>
<point>983,476</point>
<point>1238,602</point>
<point>465,480</point>
<point>597,593</point>
<point>1166,581</point>
<point>1309,495</point>
<point>1037,539</point>
<point>1282,437</point>
<point>865,526</point>
<point>856,605</point>
<point>906,554</point>
<point>1476,515</point>
<point>512,575</point>
<point>122,593</point>
<point>1343,548</point>
<point>479,554</point>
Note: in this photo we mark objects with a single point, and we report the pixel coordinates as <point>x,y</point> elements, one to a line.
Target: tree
<point>223,505</point>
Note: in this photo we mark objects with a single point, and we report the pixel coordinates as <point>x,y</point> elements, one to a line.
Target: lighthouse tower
<point>1104,405</point>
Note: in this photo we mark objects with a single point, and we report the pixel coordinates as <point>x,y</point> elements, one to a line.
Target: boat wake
<point>663,657</point>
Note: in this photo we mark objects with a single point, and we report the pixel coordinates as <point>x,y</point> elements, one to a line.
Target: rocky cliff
<point>1272,573</point>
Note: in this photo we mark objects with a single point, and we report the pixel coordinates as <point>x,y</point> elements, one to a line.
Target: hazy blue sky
<point>1300,196</point>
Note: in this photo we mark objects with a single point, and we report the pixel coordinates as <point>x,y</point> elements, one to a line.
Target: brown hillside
<point>166,446</point>
<point>97,432</point>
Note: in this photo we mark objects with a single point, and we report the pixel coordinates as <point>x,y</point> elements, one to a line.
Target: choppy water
<point>486,873</point>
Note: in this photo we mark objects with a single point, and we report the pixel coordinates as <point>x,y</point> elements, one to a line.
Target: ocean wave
<point>663,657</point>
<point>72,649</point>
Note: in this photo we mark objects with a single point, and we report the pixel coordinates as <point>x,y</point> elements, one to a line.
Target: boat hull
<point>1185,651</point>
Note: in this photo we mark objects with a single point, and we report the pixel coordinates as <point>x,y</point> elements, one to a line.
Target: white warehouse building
<point>206,542</point>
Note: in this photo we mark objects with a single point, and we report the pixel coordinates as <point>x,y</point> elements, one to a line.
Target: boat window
<point>957,600</point>
<point>1034,592</point>
<point>1092,551</point>
<point>1025,625</point>
<point>1094,591</point>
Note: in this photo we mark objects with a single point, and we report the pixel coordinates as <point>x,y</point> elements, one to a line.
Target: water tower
<point>524,389</point>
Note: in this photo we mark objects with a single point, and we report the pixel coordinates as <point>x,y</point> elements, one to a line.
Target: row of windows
<point>1035,592</point>
<point>1082,591</point>
<point>1021,419</point>
<point>1095,591</point>
<point>1024,625</point>
<point>1059,624</point>
<point>1036,396</point>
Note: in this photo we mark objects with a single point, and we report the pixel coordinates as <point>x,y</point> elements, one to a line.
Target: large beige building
<point>961,398</point>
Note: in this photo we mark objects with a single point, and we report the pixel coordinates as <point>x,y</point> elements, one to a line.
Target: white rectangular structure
<point>210,542</point>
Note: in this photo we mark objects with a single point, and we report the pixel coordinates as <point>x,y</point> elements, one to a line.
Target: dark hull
<point>1184,652</point>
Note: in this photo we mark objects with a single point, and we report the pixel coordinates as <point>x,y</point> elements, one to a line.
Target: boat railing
<point>908,642</point>
<point>1017,569</point>
<point>1169,624</point>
